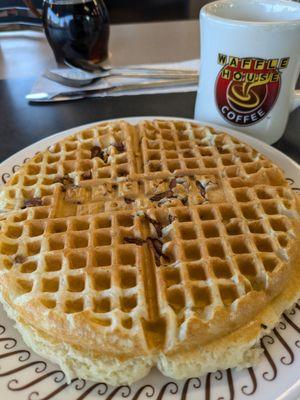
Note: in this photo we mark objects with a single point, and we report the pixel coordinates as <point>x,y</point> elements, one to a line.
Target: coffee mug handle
<point>296,97</point>
<point>296,100</point>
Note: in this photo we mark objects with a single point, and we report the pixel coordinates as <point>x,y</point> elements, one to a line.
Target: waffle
<point>165,243</point>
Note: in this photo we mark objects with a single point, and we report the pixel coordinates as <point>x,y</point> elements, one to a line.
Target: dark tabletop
<point>22,124</point>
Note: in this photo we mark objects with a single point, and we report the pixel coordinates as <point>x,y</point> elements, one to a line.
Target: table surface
<point>25,55</point>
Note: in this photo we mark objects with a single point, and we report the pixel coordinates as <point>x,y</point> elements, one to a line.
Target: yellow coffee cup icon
<point>247,95</point>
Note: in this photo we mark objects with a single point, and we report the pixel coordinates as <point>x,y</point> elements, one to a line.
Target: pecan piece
<point>64,180</point>
<point>172,183</point>
<point>156,246</point>
<point>163,195</point>
<point>128,200</point>
<point>171,219</point>
<point>34,202</point>
<point>184,201</point>
<point>97,152</point>
<point>87,175</point>
<point>201,188</point>
<point>157,225</point>
<point>120,147</point>
<point>134,240</point>
<point>19,259</point>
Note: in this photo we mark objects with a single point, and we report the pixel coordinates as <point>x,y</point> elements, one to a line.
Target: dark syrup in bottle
<point>77,30</point>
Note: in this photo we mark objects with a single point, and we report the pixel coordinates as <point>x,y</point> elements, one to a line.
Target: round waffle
<point>165,243</point>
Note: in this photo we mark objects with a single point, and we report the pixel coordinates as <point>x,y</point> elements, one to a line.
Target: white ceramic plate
<point>24,375</point>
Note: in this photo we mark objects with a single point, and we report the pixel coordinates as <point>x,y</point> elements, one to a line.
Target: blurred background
<point>127,11</point>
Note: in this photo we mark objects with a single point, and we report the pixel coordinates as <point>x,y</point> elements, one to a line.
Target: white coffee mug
<point>250,62</point>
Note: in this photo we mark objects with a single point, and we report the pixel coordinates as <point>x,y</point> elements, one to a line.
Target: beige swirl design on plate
<point>82,389</point>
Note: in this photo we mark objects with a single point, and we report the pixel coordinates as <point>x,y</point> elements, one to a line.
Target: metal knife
<point>85,93</point>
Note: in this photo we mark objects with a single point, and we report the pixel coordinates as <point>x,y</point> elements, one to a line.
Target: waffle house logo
<point>247,88</point>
